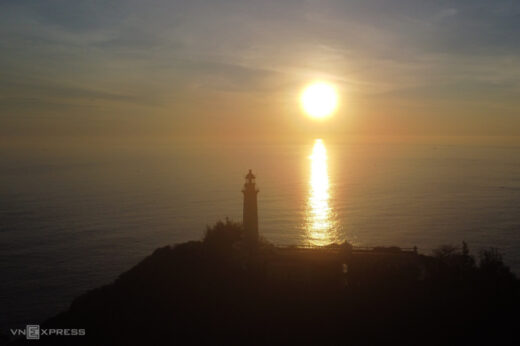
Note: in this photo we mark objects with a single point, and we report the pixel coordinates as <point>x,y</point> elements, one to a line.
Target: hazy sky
<point>236,68</point>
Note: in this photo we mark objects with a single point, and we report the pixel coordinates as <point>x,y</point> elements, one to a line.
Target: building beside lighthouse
<point>250,211</point>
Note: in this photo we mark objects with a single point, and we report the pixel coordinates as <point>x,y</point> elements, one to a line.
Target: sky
<point>235,69</point>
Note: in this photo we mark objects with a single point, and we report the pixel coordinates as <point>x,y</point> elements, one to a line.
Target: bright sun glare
<point>319,100</point>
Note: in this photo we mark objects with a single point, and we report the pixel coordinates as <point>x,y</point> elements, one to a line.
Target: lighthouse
<point>250,212</point>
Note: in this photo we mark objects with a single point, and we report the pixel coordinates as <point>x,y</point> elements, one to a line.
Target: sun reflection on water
<point>320,223</point>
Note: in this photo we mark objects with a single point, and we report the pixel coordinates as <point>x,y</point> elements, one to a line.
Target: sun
<point>319,100</point>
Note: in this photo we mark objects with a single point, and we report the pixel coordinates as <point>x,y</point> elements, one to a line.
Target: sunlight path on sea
<point>320,222</point>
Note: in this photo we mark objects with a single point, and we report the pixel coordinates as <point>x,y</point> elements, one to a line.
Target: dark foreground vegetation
<point>224,291</point>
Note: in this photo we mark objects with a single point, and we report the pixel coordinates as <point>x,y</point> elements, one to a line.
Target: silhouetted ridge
<point>217,291</point>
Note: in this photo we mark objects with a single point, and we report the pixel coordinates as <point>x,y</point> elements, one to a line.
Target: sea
<point>74,219</point>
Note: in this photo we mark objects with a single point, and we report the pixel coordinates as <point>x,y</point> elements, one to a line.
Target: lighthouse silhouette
<point>250,212</point>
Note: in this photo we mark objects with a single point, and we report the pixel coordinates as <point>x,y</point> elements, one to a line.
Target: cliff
<point>219,291</point>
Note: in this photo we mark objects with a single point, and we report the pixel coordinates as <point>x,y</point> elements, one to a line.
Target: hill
<point>222,291</point>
